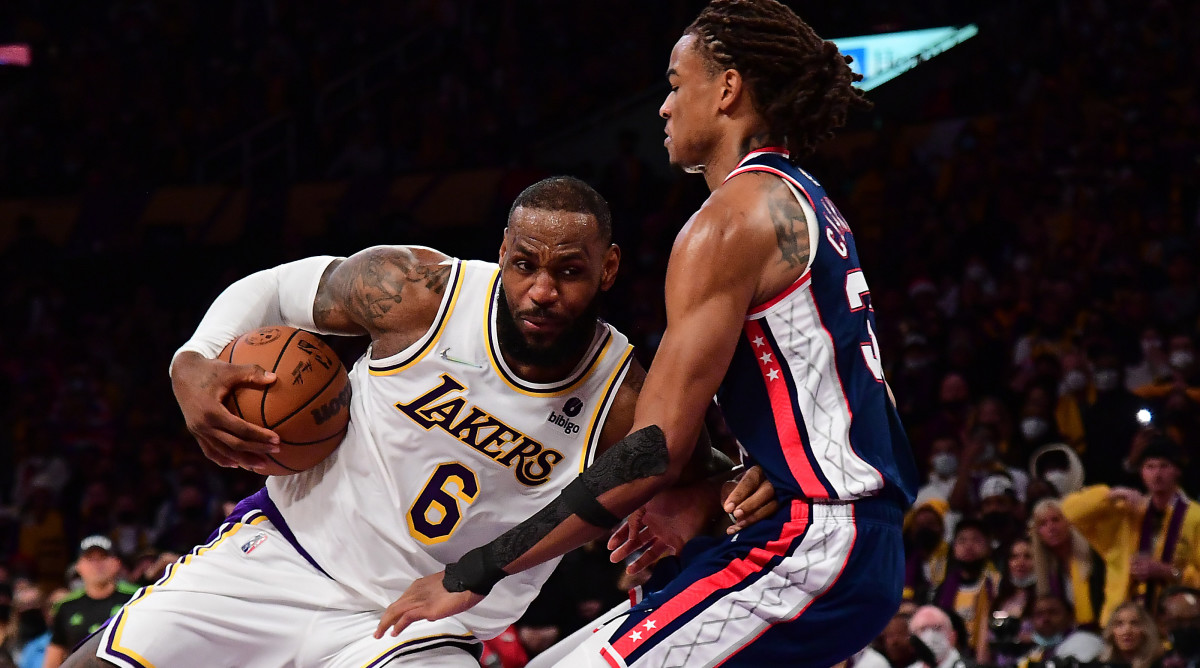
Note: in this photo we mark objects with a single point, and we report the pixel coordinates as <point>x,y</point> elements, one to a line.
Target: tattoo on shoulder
<point>791,225</point>
<point>379,284</point>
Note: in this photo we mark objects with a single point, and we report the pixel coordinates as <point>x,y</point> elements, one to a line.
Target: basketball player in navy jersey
<point>769,309</point>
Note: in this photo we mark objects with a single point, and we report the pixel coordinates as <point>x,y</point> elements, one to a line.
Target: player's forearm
<point>281,295</point>
<point>622,479</point>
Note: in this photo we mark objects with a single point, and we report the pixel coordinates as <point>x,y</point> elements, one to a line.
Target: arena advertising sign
<point>881,58</point>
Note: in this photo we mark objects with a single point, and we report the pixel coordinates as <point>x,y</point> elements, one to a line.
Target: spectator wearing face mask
<point>931,625</point>
<point>1148,541</point>
<point>1179,624</point>
<point>943,468</point>
<point>1064,563</point>
<point>970,585</point>
<point>1018,586</point>
<point>1038,424</point>
<point>926,550</point>
<point>1055,634</point>
<point>1130,638</point>
<point>1075,392</point>
<point>1181,371</point>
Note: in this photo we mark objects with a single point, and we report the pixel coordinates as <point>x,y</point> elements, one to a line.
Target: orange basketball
<point>308,405</point>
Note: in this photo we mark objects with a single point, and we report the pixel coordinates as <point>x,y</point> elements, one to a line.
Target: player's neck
<point>539,373</point>
<point>729,153</point>
<point>100,590</point>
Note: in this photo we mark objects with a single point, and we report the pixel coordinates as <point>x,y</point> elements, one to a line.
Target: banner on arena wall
<point>881,58</point>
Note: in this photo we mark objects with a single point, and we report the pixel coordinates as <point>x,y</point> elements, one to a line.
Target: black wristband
<point>584,504</point>
<point>474,572</point>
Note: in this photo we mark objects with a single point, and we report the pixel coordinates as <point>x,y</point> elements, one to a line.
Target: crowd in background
<point>1033,270</point>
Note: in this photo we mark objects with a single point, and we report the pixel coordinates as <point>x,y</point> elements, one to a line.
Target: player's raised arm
<point>386,288</point>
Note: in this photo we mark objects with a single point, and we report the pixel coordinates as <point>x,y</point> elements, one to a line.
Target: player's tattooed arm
<point>382,291</point>
<point>791,225</point>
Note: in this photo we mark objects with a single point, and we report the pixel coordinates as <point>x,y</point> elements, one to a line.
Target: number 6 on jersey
<point>436,512</point>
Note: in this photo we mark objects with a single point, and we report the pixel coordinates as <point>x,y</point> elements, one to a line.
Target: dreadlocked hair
<point>799,82</point>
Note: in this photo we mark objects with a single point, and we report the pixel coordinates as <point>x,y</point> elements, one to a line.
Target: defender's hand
<point>750,499</point>
<point>425,599</point>
<point>634,535</point>
<point>201,386</point>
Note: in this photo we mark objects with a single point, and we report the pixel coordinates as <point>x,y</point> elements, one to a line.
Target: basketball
<point>308,405</point>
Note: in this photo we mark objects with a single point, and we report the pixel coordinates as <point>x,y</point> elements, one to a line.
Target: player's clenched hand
<point>201,386</point>
<point>751,499</point>
<point>425,599</point>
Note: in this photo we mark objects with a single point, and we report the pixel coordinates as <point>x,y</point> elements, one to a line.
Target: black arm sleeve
<point>642,454</point>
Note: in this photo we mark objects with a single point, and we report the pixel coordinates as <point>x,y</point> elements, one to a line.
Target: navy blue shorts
<point>811,585</point>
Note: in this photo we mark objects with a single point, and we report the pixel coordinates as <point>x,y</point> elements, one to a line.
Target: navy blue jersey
<point>805,393</point>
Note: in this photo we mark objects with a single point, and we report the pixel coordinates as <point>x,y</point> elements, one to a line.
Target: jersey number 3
<point>436,512</point>
<point>859,297</point>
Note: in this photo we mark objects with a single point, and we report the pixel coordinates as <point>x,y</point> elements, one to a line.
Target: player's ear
<point>732,87</point>
<point>612,262</point>
<point>504,247</point>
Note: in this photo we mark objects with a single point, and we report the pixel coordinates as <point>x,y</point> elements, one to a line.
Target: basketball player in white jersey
<point>485,391</point>
<point>769,309</point>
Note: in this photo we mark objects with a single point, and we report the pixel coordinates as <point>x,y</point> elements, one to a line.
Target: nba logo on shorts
<point>253,543</point>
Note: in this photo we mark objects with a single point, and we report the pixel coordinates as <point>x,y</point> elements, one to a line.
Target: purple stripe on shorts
<point>111,650</point>
<point>467,643</point>
<point>261,502</point>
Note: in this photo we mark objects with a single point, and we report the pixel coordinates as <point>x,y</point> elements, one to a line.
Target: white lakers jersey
<point>446,450</point>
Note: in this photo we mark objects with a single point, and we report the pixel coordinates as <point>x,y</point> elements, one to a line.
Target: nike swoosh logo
<point>445,354</point>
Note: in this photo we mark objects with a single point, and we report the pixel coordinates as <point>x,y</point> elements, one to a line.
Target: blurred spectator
<point>1057,471</point>
<point>35,616</point>
<point>1110,422</point>
<point>981,461</point>
<point>191,522</point>
<point>42,543</point>
<point>1065,565</point>
<point>84,610</point>
<point>1018,585</point>
<point>1002,515</point>
<point>129,533</point>
<point>1010,630</point>
<point>892,649</point>
<point>8,635</point>
<point>943,468</point>
<point>1179,625</point>
<point>1130,638</point>
<point>1147,540</point>
<point>1055,635</point>
<point>970,585</point>
<point>926,550</point>
<point>932,626</point>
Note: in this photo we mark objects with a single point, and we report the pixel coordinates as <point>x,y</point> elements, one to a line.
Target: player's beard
<point>570,345</point>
